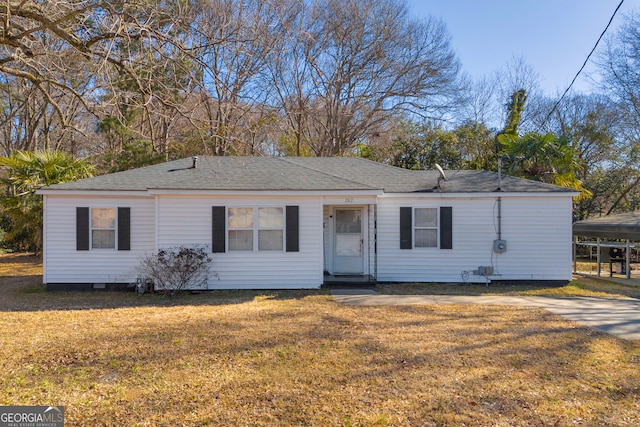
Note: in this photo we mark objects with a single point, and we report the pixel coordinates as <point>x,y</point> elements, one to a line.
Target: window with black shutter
<point>446,227</point>
<point>293,228</point>
<point>124,229</point>
<point>255,228</point>
<point>406,228</point>
<point>420,227</point>
<point>219,233</point>
<point>103,228</point>
<point>82,229</point>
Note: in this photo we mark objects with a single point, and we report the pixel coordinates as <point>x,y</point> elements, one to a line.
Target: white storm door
<point>347,253</point>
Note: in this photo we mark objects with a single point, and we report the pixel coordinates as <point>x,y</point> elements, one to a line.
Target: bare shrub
<point>177,269</point>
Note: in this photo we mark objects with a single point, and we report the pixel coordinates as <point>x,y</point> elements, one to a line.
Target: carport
<point>615,238</point>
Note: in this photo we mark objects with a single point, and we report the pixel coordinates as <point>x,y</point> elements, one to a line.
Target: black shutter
<point>82,229</point>
<point>446,227</point>
<point>406,232</point>
<point>124,229</point>
<point>293,229</point>
<point>219,232</point>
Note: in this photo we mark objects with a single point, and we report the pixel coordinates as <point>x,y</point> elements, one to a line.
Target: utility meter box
<point>499,246</point>
<point>484,270</point>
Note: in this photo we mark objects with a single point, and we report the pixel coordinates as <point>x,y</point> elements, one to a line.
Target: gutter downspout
<point>499,200</point>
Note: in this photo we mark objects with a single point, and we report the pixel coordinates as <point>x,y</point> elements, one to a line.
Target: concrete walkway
<point>615,316</point>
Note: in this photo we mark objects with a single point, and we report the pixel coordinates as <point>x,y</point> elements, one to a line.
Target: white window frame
<point>93,228</point>
<point>416,228</point>
<point>252,229</point>
<point>256,229</point>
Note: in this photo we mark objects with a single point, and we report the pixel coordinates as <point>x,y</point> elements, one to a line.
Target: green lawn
<point>299,358</point>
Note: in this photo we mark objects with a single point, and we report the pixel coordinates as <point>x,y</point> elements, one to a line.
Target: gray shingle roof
<point>298,174</point>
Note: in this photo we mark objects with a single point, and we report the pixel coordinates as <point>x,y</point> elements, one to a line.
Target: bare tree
<point>518,75</point>
<point>353,65</point>
<point>619,65</point>
<point>220,76</point>
<point>232,41</point>
<point>288,80</point>
<point>69,53</point>
<point>478,102</point>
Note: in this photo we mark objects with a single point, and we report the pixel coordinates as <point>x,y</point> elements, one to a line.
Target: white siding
<point>64,264</point>
<point>186,220</point>
<point>537,231</point>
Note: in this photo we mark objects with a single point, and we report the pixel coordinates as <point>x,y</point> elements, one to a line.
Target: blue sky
<point>553,36</point>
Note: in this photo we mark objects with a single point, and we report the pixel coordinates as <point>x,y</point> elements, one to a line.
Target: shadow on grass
<point>480,365</point>
<point>297,363</point>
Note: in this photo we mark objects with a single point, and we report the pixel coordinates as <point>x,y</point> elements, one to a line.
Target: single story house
<point>297,222</point>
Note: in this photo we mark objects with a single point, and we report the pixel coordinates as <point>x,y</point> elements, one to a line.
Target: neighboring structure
<point>616,238</point>
<point>300,222</point>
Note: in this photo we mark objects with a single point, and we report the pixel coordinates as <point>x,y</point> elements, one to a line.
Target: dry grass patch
<point>579,287</point>
<point>298,358</point>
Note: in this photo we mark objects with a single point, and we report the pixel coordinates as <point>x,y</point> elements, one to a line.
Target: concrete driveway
<point>615,316</point>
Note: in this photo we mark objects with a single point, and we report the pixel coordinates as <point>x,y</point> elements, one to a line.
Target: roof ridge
<point>395,168</point>
<point>286,159</point>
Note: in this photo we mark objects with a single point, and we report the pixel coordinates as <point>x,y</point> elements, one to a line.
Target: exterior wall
<point>542,249</point>
<point>537,230</point>
<point>186,220</point>
<point>64,264</point>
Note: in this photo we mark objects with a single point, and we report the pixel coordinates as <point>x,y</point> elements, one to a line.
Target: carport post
<point>628,260</point>
<point>598,256</point>
<point>575,263</point>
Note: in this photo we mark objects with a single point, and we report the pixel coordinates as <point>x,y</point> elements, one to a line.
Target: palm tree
<point>545,158</point>
<point>23,173</point>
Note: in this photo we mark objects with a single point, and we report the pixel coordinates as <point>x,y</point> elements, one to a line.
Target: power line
<point>583,65</point>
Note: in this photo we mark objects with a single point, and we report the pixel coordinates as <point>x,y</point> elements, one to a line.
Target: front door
<point>348,241</point>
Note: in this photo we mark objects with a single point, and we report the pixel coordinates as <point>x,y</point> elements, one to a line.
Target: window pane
<point>103,218</point>
<point>240,217</point>
<point>348,221</point>
<point>240,240</point>
<point>103,239</point>
<point>426,238</point>
<point>426,217</point>
<point>348,245</point>
<point>270,240</point>
<point>270,217</point>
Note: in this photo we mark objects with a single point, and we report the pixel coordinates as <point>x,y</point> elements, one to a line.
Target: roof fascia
<point>91,193</point>
<point>418,195</point>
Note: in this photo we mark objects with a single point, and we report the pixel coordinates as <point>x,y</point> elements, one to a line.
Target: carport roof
<point>622,226</point>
